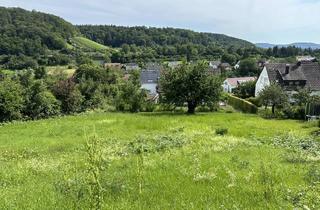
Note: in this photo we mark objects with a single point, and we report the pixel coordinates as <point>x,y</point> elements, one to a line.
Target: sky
<point>272,21</point>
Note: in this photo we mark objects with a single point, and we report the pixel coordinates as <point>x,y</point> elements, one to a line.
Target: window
<point>297,83</point>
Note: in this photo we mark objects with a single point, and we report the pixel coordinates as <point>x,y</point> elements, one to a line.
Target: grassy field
<point>159,161</point>
<point>87,43</point>
<point>60,69</point>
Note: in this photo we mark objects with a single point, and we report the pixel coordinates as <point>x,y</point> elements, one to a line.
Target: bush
<point>67,92</point>
<point>11,100</point>
<point>267,114</point>
<point>149,106</point>
<point>242,105</point>
<point>222,131</point>
<point>295,112</point>
<point>255,100</point>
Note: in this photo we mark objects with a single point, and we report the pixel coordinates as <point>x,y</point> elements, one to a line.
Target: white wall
<point>227,87</point>
<point>151,87</point>
<point>315,93</point>
<point>262,82</point>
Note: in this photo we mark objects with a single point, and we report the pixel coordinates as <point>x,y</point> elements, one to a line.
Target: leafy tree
<point>11,100</point>
<point>245,90</point>
<point>229,58</point>
<point>67,92</point>
<point>42,103</point>
<point>302,97</point>
<point>191,84</point>
<point>248,67</point>
<point>273,96</point>
<point>40,73</point>
<point>130,96</point>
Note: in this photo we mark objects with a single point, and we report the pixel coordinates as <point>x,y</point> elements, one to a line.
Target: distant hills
<point>116,36</point>
<point>302,45</point>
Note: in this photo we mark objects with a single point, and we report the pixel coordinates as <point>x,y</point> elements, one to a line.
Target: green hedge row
<point>242,105</point>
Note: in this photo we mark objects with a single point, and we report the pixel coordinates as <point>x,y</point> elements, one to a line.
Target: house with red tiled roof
<point>230,83</point>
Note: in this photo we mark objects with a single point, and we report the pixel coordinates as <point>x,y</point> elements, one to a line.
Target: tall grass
<point>158,161</point>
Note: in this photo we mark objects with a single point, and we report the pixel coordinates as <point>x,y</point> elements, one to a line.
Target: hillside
<point>31,38</point>
<point>87,44</point>
<point>149,43</point>
<point>32,33</point>
<point>116,36</point>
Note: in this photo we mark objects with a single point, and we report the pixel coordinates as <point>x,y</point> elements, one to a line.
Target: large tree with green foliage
<point>191,84</point>
<point>248,67</point>
<point>273,96</point>
<point>130,95</point>
<point>41,102</point>
<point>11,99</point>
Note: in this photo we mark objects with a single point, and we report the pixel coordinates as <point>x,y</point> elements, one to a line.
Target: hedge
<point>242,105</point>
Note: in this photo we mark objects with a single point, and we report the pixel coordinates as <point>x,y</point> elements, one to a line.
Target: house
<point>131,67</point>
<point>305,58</point>
<point>292,77</point>
<point>149,80</point>
<point>230,83</point>
<point>214,67</point>
<point>149,77</point>
<point>217,67</point>
<point>237,66</point>
<point>225,67</point>
<point>152,67</point>
<point>214,64</point>
<point>173,64</point>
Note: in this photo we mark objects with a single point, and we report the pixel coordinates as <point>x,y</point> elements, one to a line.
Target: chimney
<point>287,69</point>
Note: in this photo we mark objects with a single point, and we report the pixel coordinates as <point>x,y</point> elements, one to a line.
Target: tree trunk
<point>191,107</point>
<point>273,106</point>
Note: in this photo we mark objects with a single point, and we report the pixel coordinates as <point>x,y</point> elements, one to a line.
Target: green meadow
<point>159,161</point>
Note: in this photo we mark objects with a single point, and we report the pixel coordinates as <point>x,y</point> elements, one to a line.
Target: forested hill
<point>116,36</point>
<point>29,39</point>
<point>31,33</point>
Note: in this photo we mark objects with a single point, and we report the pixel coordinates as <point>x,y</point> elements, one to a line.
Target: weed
<point>95,167</point>
<point>222,131</point>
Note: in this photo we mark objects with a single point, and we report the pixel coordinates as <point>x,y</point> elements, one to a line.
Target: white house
<point>291,77</point>
<point>230,83</point>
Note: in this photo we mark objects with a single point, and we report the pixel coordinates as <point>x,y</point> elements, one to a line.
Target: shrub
<point>41,103</point>
<point>149,106</point>
<point>222,131</point>
<point>242,105</point>
<point>11,100</point>
<point>255,100</point>
<point>67,92</point>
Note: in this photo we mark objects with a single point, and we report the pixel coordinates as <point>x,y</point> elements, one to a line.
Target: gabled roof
<point>214,63</point>
<point>153,67</point>
<point>225,65</point>
<point>238,80</point>
<point>149,76</point>
<point>306,71</point>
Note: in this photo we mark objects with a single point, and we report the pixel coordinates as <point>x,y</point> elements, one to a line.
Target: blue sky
<point>273,21</point>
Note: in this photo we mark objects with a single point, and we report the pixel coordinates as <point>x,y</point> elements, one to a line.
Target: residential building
<point>131,67</point>
<point>149,77</point>
<point>230,83</point>
<point>292,77</point>
<point>149,80</point>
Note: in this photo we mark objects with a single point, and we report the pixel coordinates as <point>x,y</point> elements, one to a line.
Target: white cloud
<point>277,21</point>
